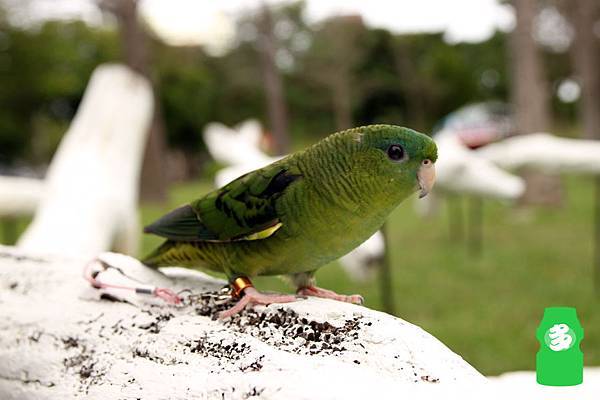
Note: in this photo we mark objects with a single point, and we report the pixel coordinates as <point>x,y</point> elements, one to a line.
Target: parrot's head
<point>392,155</point>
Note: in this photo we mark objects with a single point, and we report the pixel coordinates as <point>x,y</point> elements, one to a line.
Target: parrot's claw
<point>253,296</point>
<point>329,294</point>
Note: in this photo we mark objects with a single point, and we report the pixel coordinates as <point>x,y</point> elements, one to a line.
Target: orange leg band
<point>239,284</point>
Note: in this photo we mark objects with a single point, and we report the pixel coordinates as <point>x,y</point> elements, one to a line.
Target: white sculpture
<point>235,146</point>
<point>91,196</point>
<point>546,152</point>
<point>482,172</point>
<point>461,170</point>
<point>232,172</point>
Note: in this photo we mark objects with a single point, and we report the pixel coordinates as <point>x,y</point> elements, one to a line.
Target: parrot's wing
<point>242,210</point>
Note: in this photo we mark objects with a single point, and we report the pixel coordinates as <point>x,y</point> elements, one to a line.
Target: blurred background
<point>476,275</point>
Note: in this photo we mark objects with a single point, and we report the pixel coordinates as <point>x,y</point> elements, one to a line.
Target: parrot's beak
<point>425,177</point>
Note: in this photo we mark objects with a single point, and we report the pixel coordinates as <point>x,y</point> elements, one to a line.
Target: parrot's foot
<point>329,294</point>
<point>253,296</point>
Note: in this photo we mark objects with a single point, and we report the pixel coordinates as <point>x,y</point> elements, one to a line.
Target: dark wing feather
<point>181,224</point>
<point>243,207</point>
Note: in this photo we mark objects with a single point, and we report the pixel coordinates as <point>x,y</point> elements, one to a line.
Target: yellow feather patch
<point>265,233</point>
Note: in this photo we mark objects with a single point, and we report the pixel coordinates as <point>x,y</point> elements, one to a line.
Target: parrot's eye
<point>396,152</point>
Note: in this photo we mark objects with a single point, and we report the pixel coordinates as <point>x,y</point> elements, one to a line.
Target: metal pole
<point>385,275</point>
<point>475,241</point>
<point>596,244</point>
<point>455,218</point>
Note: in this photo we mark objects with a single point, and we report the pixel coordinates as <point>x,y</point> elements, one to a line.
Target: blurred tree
<point>153,184</point>
<point>416,79</point>
<point>554,35</point>
<point>585,17</point>
<point>333,59</point>
<point>404,79</point>
<point>43,73</point>
<point>308,98</point>
<point>241,94</point>
<point>188,91</point>
<point>529,88</point>
<point>276,104</point>
<point>378,93</point>
<point>530,99</point>
<point>416,90</point>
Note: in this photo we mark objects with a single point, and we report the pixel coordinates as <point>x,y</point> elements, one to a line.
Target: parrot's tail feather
<point>160,256</point>
<point>179,254</point>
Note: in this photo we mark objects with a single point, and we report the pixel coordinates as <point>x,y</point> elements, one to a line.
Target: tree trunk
<point>276,106</point>
<point>133,39</point>
<point>529,89</point>
<point>586,57</point>
<point>335,65</point>
<point>410,87</point>
<point>342,108</point>
<point>531,100</point>
<point>153,184</point>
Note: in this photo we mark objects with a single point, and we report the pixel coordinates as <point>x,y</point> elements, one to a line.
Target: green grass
<point>484,308</point>
<point>11,228</point>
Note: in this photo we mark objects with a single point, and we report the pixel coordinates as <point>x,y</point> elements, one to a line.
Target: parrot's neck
<point>344,200</point>
<point>333,208</point>
<point>333,174</point>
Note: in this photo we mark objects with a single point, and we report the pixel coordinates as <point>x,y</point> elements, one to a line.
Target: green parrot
<point>299,213</point>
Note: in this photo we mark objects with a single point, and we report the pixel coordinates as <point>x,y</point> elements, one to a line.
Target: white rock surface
<point>523,385</point>
<point>546,152</point>
<point>90,201</point>
<point>19,196</point>
<point>59,340</point>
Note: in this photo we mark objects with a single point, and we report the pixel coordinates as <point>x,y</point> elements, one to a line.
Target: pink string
<point>165,294</point>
